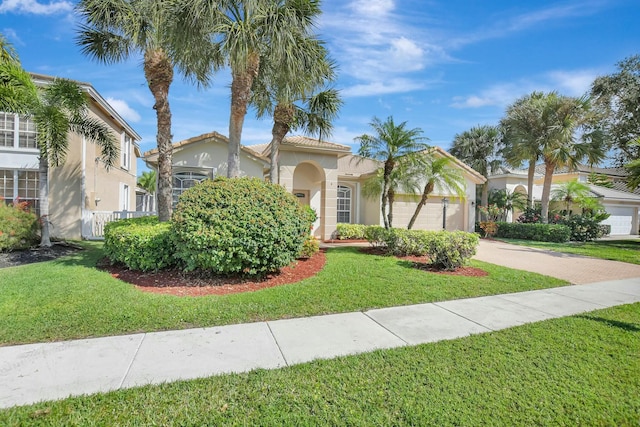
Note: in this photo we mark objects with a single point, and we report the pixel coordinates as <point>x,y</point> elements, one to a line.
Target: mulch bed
<point>37,254</point>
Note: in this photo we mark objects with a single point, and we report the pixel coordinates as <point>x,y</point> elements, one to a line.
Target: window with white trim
<point>20,186</point>
<point>125,151</point>
<point>344,204</point>
<point>182,181</point>
<point>124,197</point>
<point>17,131</point>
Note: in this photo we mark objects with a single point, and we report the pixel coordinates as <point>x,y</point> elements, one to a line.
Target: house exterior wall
<point>211,156</point>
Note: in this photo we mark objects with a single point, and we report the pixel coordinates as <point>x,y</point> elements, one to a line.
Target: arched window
<point>344,204</point>
<point>183,181</point>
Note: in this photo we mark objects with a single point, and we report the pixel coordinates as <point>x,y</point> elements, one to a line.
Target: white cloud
<point>32,6</point>
<point>573,83</point>
<point>11,34</point>
<point>397,85</point>
<point>372,7</point>
<point>127,113</point>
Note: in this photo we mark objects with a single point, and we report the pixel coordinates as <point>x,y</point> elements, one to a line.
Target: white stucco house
<point>622,205</point>
<point>323,175</point>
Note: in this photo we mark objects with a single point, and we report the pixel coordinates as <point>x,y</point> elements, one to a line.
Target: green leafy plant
<point>346,231</point>
<point>534,231</point>
<point>451,249</point>
<point>310,247</point>
<point>376,235</point>
<point>18,226</point>
<point>139,243</point>
<point>239,226</point>
<point>584,228</point>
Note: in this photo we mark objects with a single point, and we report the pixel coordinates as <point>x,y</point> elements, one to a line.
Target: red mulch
<point>177,282</point>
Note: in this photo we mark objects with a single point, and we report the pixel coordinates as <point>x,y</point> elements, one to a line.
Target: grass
<point>580,370</point>
<point>69,298</point>
<point>616,250</point>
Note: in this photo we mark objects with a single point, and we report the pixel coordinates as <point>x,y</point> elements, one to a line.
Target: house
<point>82,187</point>
<point>323,175</point>
<point>622,205</point>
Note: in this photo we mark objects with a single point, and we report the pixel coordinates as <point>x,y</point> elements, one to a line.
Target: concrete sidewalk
<point>35,372</point>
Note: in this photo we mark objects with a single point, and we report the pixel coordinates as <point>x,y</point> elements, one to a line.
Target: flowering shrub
<point>310,247</point>
<point>489,228</point>
<point>492,212</point>
<point>18,226</point>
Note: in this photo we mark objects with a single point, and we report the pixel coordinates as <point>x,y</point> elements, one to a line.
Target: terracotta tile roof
<point>205,136</point>
<point>304,141</point>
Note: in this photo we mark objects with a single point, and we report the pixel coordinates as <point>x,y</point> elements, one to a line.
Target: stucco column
<point>330,203</point>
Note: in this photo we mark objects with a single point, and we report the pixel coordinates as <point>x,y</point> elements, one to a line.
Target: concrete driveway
<point>576,269</point>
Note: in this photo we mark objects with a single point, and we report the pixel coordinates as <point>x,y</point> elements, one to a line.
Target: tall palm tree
<point>435,172</point>
<point>388,145</point>
<point>478,147</point>
<point>7,51</point>
<point>115,30</point>
<point>63,108</point>
<point>570,192</point>
<point>17,92</point>
<point>245,33</point>
<point>522,130</point>
<point>563,116</point>
<point>288,92</point>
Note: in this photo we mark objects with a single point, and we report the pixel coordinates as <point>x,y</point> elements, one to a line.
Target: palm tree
<point>478,147</point>
<point>507,201</point>
<point>522,130</point>
<point>282,85</point>
<point>246,33</point>
<point>147,181</point>
<point>401,180</point>
<point>18,94</point>
<point>7,51</point>
<point>63,108</point>
<point>562,117</point>
<point>435,172</point>
<point>116,30</point>
<point>390,143</point>
<point>570,192</point>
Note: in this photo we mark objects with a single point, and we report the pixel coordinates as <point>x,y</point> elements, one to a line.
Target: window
<point>344,204</point>
<point>124,197</point>
<point>125,151</point>
<point>183,181</point>
<point>17,131</point>
<point>21,185</point>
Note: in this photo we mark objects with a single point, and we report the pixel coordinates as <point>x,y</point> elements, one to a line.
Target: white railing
<point>93,222</point>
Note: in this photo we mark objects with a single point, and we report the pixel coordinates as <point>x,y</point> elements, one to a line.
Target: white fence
<point>93,222</point>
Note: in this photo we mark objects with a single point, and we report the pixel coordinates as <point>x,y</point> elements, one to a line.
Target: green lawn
<point>69,298</point>
<point>617,250</point>
<point>580,370</point>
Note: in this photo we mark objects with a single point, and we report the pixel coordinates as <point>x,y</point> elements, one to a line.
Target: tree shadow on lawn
<point>631,327</point>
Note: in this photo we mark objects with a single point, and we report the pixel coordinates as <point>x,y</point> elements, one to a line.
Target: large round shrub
<point>238,225</point>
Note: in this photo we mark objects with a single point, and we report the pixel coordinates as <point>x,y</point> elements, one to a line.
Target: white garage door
<point>620,219</point>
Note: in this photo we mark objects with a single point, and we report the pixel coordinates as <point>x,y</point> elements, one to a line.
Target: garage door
<point>620,220</point>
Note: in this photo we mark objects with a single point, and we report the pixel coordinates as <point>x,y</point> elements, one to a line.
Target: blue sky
<point>442,66</point>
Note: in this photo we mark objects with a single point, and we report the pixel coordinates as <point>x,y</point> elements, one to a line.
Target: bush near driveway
<point>18,227</point>
<point>534,231</point>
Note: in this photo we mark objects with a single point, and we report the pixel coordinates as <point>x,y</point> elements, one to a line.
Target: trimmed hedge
<point>350,231</point>
<point>444,249</point>
<point>18,227</point>
<point>584,228</point>
<point>239,226</point>
<point>139,243</point>
<point>534,231</point>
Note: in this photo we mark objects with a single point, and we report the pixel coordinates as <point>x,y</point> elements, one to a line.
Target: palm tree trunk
<point>43,189</point>
<point>383,206</point>
<point>240,96</point>
<point>530,175</point>
<point>546,189</point>
<point>158,71</point>
<point>282,119</point>
<point>392,198</point>
<point>428,188</point>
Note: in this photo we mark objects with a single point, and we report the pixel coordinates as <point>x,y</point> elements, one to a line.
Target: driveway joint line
<point>126,374</point>
<point>273,335</point>
<point>385,328</point>
<point>465,318</point>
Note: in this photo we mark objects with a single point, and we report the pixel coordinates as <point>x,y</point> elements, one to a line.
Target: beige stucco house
<point>622,205</point>
<point>82,187</point>
<point>323,175</point>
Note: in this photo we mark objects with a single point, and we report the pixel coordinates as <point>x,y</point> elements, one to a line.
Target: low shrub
<point>18,227</point>
<point>451,249</point>
<point>310,247</point>
<point>605,229</point>
<point>350,231</point>
<point>401,242</point>
<point>139,243</point>
<point>584,228</point>
<point>376,235</point>
<point>534,231</point>
<point>239,226</point>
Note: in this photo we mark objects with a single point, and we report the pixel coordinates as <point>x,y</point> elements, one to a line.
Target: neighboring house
<point>81,186</point>
<point>323,175</point>
<point>622,204</point>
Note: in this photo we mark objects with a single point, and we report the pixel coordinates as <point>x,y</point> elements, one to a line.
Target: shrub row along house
<point>82,188</point>
<point>325,176</point>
